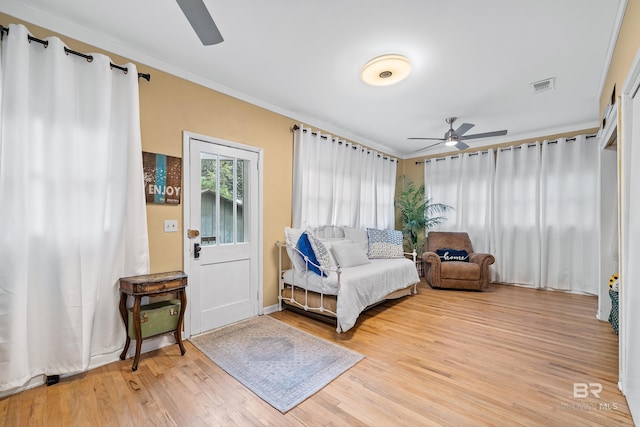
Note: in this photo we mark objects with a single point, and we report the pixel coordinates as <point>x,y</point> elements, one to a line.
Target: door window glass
<point>223,182</point>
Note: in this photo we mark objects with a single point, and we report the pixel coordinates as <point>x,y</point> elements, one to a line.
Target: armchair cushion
<point>460,270</point>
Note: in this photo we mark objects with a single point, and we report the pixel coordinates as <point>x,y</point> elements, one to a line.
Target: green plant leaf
<point>417,214</point>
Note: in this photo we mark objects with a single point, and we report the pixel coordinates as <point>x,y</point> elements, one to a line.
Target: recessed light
<point>385,70</point>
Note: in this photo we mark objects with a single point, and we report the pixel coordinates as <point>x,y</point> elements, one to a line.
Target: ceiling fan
<point>455,138</point>
<point>201,21</point>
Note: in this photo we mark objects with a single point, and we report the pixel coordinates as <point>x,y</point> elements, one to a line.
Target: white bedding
<point>361,285</point>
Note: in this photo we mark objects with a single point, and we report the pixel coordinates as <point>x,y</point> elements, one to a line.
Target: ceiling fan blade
<point>429,139</point>
<point>461,145</point>
<point>201,21</point>
<point>425,148</point>
<point>485,135</point>
<point>464,128</point>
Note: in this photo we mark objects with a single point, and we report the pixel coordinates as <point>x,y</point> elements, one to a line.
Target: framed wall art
<point>162,178</point>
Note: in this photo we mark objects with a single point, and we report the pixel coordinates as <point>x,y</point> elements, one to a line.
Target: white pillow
<point>358,235</point>
<point>292,235</point>
<point>349,254</point>
<point>329,243</point>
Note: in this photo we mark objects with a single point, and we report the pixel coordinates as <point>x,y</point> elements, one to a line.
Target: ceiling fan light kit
<point>385,70</point>
<point>455,138</point>
<point>451,141</point>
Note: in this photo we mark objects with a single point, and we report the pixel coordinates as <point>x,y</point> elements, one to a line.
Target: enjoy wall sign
<point>162,178</point>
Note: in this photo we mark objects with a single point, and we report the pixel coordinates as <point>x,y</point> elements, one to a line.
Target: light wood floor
<point>509,356</point>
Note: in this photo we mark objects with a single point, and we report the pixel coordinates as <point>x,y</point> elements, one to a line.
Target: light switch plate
<point>170,225</point>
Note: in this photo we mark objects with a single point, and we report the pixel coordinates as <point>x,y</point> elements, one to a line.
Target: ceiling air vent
<point>543,85</point>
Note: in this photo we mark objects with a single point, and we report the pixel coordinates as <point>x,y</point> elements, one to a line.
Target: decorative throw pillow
<point>304,246</point>
<point>349,254</point>
<point>385,243</point>
<point>452,255</point>
<point>320,251</point>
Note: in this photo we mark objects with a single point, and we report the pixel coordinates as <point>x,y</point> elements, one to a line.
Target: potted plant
<point>418,214</point>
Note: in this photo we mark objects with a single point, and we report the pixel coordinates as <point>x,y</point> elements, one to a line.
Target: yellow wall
<point>626,47</point>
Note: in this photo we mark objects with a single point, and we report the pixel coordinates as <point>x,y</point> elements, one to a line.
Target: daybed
<point>354,270</point>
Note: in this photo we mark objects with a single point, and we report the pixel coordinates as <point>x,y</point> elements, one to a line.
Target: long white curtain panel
<point>516,215</point>
<point>339,183</point>
<point>72,207</point>
<point>569,219</point>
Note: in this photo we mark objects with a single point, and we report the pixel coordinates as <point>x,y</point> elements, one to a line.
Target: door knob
<point>196,250</point>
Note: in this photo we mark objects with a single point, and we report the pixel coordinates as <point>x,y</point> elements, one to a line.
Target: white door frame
<point>187,248</point>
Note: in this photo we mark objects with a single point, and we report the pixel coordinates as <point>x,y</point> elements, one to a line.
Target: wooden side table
<point>151,285</point>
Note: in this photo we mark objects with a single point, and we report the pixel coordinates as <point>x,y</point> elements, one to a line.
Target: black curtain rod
<point>4,30</point>
<point>296,127</point>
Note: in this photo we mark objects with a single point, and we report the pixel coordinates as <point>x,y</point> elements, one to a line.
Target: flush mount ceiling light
<point>385,70</point>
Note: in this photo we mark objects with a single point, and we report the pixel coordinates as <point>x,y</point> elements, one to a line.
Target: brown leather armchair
<point>472,275</point>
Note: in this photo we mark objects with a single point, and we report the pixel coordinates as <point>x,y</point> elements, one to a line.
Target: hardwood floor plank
<point>508,356</point>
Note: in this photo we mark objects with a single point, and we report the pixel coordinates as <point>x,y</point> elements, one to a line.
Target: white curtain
<point>339,183</point>
<point>385,190</point>
<point>476,198</point>
<point>72,205</point>
<point>570,223</point>
<point>442,185</point>
<point>516,207</point>
<point>367,208</point>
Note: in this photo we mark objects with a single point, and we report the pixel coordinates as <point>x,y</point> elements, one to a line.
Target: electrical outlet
<point>170,225</point>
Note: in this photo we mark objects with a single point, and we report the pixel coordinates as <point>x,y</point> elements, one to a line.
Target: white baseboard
<point>271,309</point>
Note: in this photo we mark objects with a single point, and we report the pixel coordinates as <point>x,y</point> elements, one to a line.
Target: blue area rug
<point>279,363</point>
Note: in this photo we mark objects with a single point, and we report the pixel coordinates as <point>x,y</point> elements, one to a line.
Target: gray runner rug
<point>281,364</point>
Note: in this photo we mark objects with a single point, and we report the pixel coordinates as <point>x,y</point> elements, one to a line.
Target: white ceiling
<point>471,59</point>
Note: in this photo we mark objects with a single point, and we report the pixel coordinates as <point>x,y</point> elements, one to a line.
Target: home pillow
<point>452,255</point>
<point>304,246</point>
<point>349,254</point>
<point>385,243</point>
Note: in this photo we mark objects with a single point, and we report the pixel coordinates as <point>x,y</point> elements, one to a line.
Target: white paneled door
<point>222,227</point>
